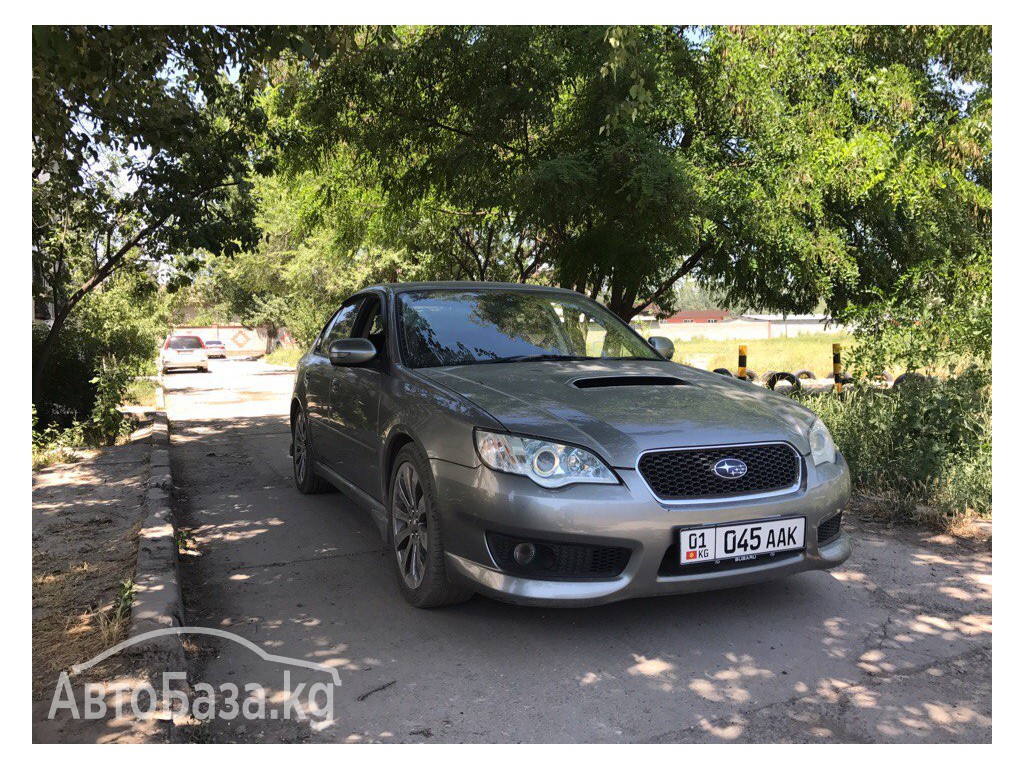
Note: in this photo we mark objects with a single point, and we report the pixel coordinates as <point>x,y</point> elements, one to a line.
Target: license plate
<point>740,541</point>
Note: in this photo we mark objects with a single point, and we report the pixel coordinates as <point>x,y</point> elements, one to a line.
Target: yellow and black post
<point>837,368</point>
<point>741,371</point>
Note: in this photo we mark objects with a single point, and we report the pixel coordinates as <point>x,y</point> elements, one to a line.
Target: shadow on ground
<point>893,646</point>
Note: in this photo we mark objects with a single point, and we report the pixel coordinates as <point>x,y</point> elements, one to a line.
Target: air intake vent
<point>599,382</point>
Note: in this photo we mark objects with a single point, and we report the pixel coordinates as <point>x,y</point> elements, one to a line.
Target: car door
<point>318,374</point>
<point>354,403</point>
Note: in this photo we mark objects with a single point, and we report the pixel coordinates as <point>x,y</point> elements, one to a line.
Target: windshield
<point>185,342</point>
<point>461,327</point>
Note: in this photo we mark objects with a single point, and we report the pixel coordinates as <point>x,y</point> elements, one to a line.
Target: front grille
<point>681,474</point>
<point>555,560</point>
<point>829,529</point>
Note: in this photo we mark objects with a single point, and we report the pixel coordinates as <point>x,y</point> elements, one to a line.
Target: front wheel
<point>306,478</point>
<point>414,527</point>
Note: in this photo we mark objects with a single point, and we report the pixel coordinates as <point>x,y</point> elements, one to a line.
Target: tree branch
<point>703,250</point>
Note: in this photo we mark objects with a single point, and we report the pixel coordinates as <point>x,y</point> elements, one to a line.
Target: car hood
<point>632,414</point>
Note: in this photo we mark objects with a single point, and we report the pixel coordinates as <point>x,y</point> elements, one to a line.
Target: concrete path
<point>894,646</point>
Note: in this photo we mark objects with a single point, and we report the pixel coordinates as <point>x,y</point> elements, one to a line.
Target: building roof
<point>698,315</point>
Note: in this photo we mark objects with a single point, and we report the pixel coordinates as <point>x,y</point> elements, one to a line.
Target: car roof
<point>464,285</point>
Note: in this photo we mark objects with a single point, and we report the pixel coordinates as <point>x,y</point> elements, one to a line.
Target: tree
<point>780,166</point>
<point>318,245</point>
<point>145,141</point>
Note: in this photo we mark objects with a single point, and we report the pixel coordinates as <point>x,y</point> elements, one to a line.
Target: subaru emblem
<point>730,469</point>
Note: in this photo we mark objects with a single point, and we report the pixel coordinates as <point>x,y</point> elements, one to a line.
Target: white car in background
<point>184,352</point>
<point>215,348</point>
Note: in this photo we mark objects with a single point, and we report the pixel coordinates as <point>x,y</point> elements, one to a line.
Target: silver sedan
<point>524,443</point>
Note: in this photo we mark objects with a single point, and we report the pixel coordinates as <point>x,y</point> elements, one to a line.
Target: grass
<point>47,456</point>
<point>57,446</point>
<point>142,391</point>
<point>286,356</point>
<point>68,626</point>
<point>919,452</point>
<point>811,352</point>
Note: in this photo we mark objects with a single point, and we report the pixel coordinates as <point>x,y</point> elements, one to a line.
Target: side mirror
<point>346,352</point>
<point>663,346</point>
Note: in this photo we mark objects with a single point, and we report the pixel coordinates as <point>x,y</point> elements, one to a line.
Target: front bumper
<point>475,500</point>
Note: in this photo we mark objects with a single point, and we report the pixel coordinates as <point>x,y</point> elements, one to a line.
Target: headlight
<point>823,449</point>
<point>548,464</point>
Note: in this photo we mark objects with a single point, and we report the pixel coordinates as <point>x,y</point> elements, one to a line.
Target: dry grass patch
<point>78,610</point>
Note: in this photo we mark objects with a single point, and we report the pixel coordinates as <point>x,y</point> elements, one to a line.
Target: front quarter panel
<point>439,420</point>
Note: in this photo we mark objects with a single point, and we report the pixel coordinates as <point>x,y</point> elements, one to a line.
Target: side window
<point>341,327</point>
<point>371,325</point>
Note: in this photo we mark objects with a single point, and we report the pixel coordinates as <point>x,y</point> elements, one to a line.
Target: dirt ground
<point>85,523</point>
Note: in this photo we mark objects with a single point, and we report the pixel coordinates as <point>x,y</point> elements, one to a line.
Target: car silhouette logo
<point>730,469</point>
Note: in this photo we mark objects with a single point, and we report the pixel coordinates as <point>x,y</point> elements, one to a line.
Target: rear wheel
<point>414,528</point>
<point>303,461</point>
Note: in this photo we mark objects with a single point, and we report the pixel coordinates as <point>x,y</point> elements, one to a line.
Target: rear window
<point>214,343</point>
<point>185,342</point>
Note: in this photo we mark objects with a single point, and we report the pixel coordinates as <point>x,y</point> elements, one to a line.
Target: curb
<point>157,603</point>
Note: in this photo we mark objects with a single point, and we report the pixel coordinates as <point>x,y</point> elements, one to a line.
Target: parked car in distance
<point>525,443</point>
<point>215,348</point>
<point>184,352</point>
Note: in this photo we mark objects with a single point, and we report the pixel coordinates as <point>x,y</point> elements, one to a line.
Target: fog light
<point>524,553</point>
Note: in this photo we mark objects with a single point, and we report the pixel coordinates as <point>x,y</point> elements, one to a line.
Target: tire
<point>303,459</point>
<point>415,539</point>
<point>751,375</point>
<point>772,381</point>
<point>805,374</point>
<point>722,371</point>
<point>910,378</point>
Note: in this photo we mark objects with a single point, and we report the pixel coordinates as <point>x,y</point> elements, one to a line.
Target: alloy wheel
<point>299,453</point>
<point>409,525</point>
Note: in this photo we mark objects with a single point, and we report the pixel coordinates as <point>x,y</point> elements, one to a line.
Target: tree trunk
<point>61,316</point>
<point>41,358</point>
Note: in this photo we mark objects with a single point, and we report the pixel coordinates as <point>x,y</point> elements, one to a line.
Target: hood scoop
<point>602,382</point>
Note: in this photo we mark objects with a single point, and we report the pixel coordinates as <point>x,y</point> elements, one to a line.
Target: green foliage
<point>112,339</point>
<point>782,167</point>
<point>934,318</point>
<point>310,258</point>
<point>141,391</point>
<point>144,144</point>
<point>52,444</point>
<point>922,444</point>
